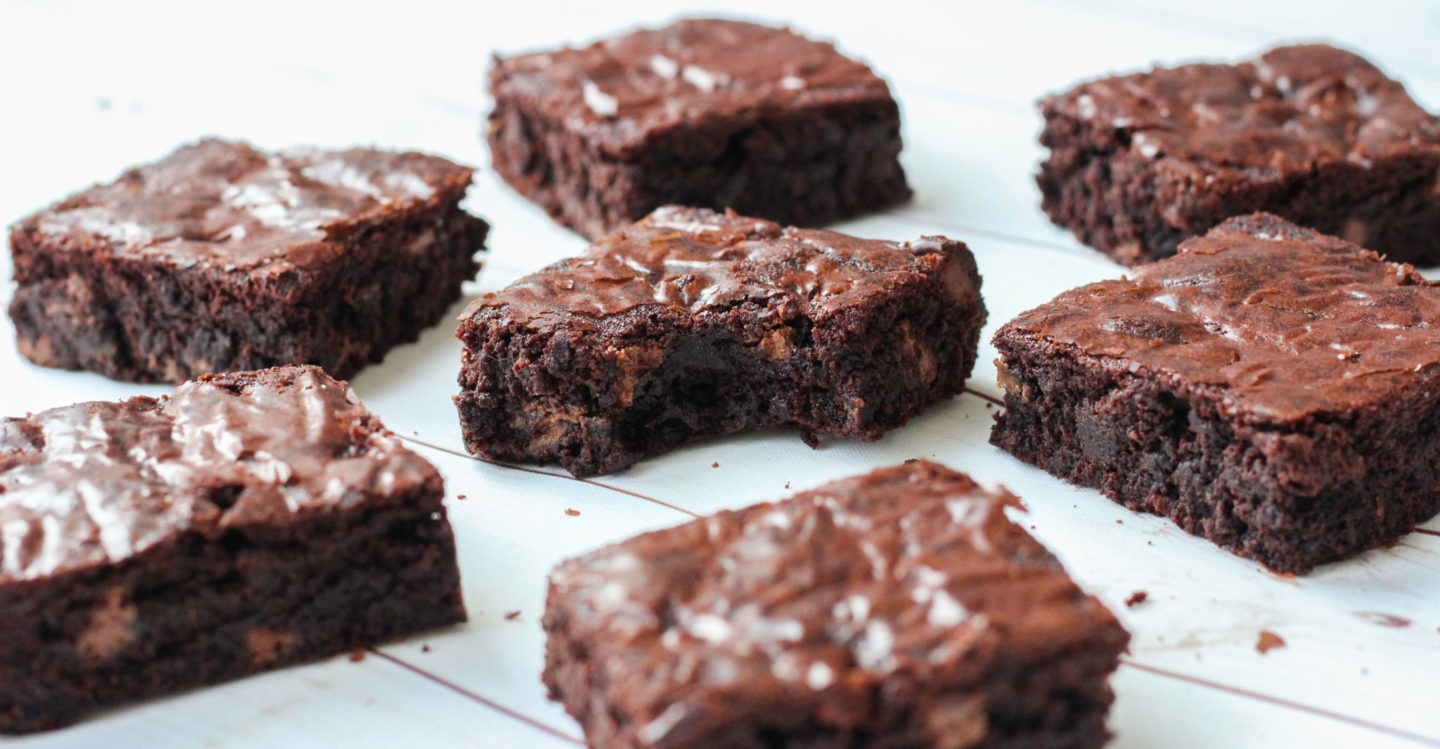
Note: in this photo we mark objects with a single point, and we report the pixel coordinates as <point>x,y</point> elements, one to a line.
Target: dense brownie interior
<point>693,324</point>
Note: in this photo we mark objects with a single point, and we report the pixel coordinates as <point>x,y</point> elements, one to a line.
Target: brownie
<point>706,113</point>
<point>249,521</point>
<point>1270,388</point>
<point>896,609</point>
<point>693,324</point>
<point>1314,134</point>
<point>220,257</point>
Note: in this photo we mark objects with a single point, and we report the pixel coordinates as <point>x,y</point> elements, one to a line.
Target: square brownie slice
<point>693,324</point>
<point>706,113</point>
<point>220,257</point>
<point>896,609</point>
<point>1311,133</point>
<point>1269,388</point>
<point>249,521</point>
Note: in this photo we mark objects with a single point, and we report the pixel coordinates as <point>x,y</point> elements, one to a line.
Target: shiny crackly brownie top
<point>228,205</point>
<point>821,599</point>
<point>1284,321</point>
<point>621,90</point>
<point>1291,108</point>
<point>98,483</point>
<point>700,260</point>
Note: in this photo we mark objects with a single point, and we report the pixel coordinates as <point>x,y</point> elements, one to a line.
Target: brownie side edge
<point>1136,210</point>
<point>200,611</point>
<point>1291,496</point>
<point>746,163</point>
<point>371,286</point>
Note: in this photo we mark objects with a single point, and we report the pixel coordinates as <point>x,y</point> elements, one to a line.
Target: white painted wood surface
<point>90,88</point>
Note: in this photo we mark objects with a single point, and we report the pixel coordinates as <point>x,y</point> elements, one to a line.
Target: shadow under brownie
<point>249,521</point>
<point>896,609</point>
<point>694,324</point>
<point>704,112</point>
<point>220,257</point>
<point>1270,388</point>
<point>1314,134</point>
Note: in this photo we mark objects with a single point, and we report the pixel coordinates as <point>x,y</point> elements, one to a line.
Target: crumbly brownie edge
<point>1291,496</point>
<point>1119,203</point>
<point>647,381</point>
<point>373,285</point>
<point>595,194</point>
<point>200,611</point>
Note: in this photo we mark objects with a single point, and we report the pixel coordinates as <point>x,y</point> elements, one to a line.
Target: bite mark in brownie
<point>692,324</point>
<point>1311,133</point>
<point>220,257</point>
<point>706,113</point>
<point>249,521</point>
<point>1270,388</point>
<point>899,609</point>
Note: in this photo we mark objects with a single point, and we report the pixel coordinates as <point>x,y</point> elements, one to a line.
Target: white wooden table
<point>89,89</point>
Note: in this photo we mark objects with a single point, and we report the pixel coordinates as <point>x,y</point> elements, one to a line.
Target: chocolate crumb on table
<point>220,257</point>
<point>1268,641</point>
<point>694,324</point>
<point>706,113</point>
<point>1270,388</point>
<point>1136,598</point>
<point>572,512</point>
<point>249,521</point>
<point>1316,135</point>
<point>898,608</point>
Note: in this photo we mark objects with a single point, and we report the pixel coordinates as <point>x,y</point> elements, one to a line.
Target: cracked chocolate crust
<point>1270,388</point>
<point>704,113</point>
<point>1314,134</point>
<point>693,324</point>
<point>901,608</point>
<point>220,257</point>
<point>248,522</point>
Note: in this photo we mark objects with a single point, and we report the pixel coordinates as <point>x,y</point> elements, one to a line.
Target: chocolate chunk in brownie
<point>692,324</point>
<point>220,257</point>
<point>899,609</point>
<point>1269,388</point>
<point>708,113</point>
<point>1311,133</point>
<point>249,521</point>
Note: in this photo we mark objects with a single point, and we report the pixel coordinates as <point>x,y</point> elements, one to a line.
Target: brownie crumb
<point>513,615</point>
<point>714,465</point>
<point>459,496</point>
<point>1269,641</point>
<point>357,655</point>
<point>1136,598</point>
<point>571,511</point>
<point>424,648</point>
